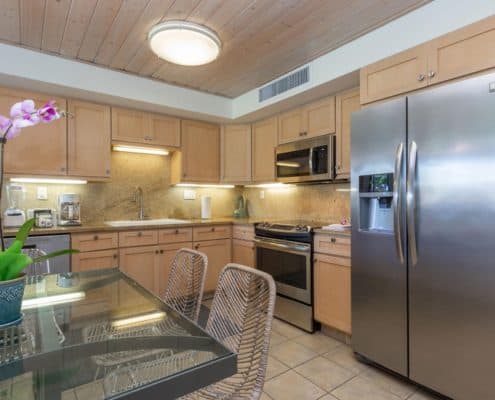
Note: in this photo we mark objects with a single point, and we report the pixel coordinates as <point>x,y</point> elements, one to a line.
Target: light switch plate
<point>41,192</point>
<point>189,194</point>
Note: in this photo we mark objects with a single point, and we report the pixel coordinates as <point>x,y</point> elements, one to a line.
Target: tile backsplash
<point>102,201</point>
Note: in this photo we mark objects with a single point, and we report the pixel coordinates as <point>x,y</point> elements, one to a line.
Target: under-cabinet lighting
<point>199,185</point>
<point>273,185</point>
<point>53,300</point>
<point>59,181</point>
<point>140,150</point>
<point>139,319</point>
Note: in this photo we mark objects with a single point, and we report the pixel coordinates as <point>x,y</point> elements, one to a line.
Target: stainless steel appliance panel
<point>379,270</point>
<point>451,272</point>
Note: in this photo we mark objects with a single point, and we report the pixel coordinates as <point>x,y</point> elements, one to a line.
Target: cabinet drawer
<point>177,235</point>
<point>212,232</point>
<point>138,238</point>
<point>333,244</point>
<point>243,232</point>
<point>94,241</point>
<point>95,260</point>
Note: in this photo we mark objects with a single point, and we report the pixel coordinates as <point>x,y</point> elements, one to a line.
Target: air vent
<point>286,83</point>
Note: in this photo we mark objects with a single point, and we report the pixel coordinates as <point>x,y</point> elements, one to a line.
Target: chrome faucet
<point>138,198</point>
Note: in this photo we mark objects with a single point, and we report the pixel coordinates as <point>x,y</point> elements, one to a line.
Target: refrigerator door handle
<point>396,201</point>
<point>411,202</point>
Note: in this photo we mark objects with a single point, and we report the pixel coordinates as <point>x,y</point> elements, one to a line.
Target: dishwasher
<point>49,243</point>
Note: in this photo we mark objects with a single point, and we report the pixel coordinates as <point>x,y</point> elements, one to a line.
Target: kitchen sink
<point>145,222</point>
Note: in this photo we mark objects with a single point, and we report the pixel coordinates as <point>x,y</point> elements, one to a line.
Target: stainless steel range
<point>285,251</point>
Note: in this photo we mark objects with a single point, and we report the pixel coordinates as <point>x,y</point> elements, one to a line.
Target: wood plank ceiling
<point>262,39</point>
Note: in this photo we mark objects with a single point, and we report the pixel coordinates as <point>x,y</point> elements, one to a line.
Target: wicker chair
<point>241,318</point>
<point>186,282</point>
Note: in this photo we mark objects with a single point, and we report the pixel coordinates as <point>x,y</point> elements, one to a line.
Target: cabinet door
<point>243,252</point>
<point>167,255</point>
<point>141,264</point>
<point>129,125</point>
<point>163,130</point>
<point>462,52</point>
<point>333,292</point>
<point>219,253</point>
<point>291,126</point>
<point>398,74</point>
<point>319,117</point>
<point>235,142</point>
<point>200,152</point>
<point>40,149</point>
<point>265,139</point>
<point>347,103</point>
<point>95,260</point>
<point>89,139</point>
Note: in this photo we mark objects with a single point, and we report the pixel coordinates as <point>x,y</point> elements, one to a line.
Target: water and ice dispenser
<point>375,202</point>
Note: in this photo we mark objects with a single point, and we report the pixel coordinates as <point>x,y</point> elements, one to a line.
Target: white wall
<point>45,72</point>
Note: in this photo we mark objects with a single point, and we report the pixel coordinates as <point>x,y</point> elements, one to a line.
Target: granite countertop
<point>102,227</point>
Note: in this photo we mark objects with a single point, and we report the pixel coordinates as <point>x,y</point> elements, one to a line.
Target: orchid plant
<point>22,115</point>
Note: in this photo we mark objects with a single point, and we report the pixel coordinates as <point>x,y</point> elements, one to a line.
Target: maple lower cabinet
<point>141,263</point>
<point>264,141</point>
<point>332,285</point>
<point>219,253</point>
<point>138,127</point>
<point>346,103</point>
<point>314,119</point>
<point>40,149</point>
<point>89,139</point>
<point>101,259</point>
<point>199,158</point>
<point>243,252</point>
<point>235,154</point>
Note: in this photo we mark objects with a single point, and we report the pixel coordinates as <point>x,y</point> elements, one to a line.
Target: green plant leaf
<point>15,247</point>
<point>24,230</point>
<point>17,264</point>
<point>55,254</point>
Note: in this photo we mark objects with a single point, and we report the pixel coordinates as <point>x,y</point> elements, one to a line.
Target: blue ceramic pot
<point>11,293</point>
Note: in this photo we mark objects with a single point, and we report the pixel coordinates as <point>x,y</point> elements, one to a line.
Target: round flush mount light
<point>184,43</point>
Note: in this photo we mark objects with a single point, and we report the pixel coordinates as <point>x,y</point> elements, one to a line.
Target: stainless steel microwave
<point>309,160</point>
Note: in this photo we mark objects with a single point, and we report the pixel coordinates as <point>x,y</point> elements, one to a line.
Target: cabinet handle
<point>95,237</point>
<point>301,133</point>
<point>176,231</point>
<point>161,251</point>
<point>115,256</point>
<point>107,171</point>
<point>421,77</point>
<point>156,251</point>
<point>315,259</point>
<point>431,74</point>
<point>62,169</point>
<point>196,246</point>
<point>213,229</point>
<point>333,240</point>
<point>305,134</point>
<point>140,234</point>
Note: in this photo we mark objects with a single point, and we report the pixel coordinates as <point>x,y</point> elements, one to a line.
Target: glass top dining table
<point>99,335</point>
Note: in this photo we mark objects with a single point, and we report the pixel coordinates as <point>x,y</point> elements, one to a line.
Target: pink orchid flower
<point>48,112</point>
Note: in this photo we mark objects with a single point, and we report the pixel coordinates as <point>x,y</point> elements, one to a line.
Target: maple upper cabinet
<point>235,153</point>
<point>89,139</point>
<point>462,52</point>
<point>137,127</point>
<point>401,73</point>
<point>40,149</point>
<point>199,158</point>
<point>264,141</point>
<point>314,119</point>
<point>346,103</point>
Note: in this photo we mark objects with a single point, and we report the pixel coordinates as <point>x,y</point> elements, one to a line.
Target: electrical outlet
<point>41,192</point>
<point>262,194</point>
<point>189,194</point>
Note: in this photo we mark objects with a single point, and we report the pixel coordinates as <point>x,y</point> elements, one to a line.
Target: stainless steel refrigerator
<point>423,237</point>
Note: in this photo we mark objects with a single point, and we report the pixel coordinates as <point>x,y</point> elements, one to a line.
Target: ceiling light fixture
<point>184,43</point>
<point>140,150</point>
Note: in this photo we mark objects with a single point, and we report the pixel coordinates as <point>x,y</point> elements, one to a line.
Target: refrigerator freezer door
<point>452,285</point>
<point>379,278</point>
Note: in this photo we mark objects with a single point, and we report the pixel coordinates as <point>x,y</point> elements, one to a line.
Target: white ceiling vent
<point>288,82</point>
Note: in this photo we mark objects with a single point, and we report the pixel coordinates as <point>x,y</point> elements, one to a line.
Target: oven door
<point>290,265</point>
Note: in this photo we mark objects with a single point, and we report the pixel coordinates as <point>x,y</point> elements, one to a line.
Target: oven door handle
<point>296,248</point>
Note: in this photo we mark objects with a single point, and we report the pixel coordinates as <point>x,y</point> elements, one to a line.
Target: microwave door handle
<point>311,171</point>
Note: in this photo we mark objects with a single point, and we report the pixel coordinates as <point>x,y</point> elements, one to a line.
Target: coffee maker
<point>69,209</point>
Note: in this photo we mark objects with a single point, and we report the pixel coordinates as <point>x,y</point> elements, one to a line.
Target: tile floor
<point>310,367</point>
